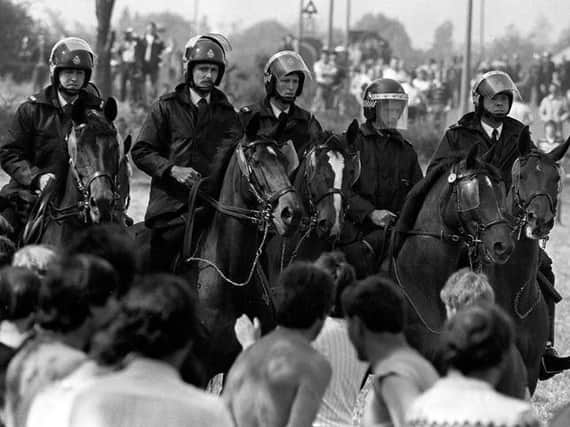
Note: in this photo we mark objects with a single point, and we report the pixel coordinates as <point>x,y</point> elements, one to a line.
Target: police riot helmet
<point>490,84</point>
<point>281,64</point>
<point>208,48</point>
<point>71,53</point>
<point>386,104</point>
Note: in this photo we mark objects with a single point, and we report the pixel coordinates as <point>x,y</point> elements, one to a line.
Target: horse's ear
<point>110,109</point>
<point>471,159</point>
<point>127,144</point>
<point>78,111</point>
<point>558,153</point>
<point>352,133</point>
<point>252,127</point>
<point>525,142</point>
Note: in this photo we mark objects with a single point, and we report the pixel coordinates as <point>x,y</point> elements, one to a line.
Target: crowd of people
<point>90,339</point>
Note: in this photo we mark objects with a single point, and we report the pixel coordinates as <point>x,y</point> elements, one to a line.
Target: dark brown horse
<point>531,204</point>
<point>451,219</point>
<point>326,173</point>
<point>96,189</point>
<point>255,199</point>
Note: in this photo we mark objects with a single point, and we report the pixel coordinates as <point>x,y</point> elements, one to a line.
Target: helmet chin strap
<point>69,92</point>
<point>284,99</point>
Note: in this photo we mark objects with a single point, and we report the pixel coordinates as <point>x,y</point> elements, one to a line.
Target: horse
<point>255,197</point>
<point>326,173</point>
<point>96,188</point>
<point>531,205</point>
<point>451,218</point>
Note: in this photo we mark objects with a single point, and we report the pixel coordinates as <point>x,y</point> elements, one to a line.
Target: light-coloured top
<point>147,393</point>
<point>347,375</point>
<point>41,361</point>
<point>553,108</point>
<point>52,406</point>
<point>407,364</point>
<point>457,400</point>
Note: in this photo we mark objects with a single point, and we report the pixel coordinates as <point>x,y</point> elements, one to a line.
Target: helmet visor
<point>496,82</point>
<point>286,62</point>
<point>391,110</point>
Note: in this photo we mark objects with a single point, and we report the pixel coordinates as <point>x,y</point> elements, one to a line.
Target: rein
<point>260,217</point>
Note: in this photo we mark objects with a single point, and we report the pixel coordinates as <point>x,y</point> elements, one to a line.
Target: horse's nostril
<point>324,225</point>
<point>92,201</point>
<point>286,214</point>
<point>499,248</point>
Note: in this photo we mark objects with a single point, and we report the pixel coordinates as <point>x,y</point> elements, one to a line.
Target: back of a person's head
<point>7,249</point>
<point>342,273</point>
<point>156,318</point>
<point>72,287</point>
<point>110,242</point>
<point>307,294</point>
<point>464,288</point>
<point>476,338</point>
<point>35,257</point>
<point>19,293</point>
<point>378,302</point>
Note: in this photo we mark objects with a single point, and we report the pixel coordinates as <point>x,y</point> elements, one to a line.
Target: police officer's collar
<point>277,111</point>
<point>195,97</point>
<point>182,93</point>
<point>368,129</point>
<point>489,129</point>
<point>63,102</point>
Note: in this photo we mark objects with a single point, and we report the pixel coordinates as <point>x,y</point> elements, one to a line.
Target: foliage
<point>512,42</point>
<point>442,45</point>
<point>15,23</point>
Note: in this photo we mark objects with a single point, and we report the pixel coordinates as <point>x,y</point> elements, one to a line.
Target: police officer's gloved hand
<point>185,175</point>
<point>381,217</point>
<point>43,181</point>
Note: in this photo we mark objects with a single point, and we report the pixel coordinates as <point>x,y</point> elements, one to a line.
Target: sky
<point>420,17</point>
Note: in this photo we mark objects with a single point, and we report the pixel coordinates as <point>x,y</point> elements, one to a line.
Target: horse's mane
<point>219,166</point>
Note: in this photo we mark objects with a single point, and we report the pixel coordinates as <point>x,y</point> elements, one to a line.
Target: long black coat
<point>302,127</point>
<point>460,137</point>
<point>174,135</point>
<point>389,169</point>
<point>35,143</point>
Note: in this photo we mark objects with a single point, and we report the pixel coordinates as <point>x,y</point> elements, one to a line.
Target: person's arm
<point>16,151</point>
<point>309,396</point>
<point>543,110</point>
<point>150,150</point>
<point>398,393</point>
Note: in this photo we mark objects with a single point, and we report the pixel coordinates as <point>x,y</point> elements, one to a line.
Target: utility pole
<point>466,74</point>
<point>331,14</point>
<point>347,40</point>
<point>482,30</point>
<point>196,24</point>
<point>301,7</point>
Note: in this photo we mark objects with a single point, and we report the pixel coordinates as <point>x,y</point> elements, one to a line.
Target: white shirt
<point>62,101</point>
<point>147,393</point>
<point>195,97</point>
<point>348,373</point>
<point>148,51</point>
<point>277,111</point>
<point>489,130</point>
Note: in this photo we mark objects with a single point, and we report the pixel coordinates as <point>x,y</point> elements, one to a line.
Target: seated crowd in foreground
<point>84,341</point>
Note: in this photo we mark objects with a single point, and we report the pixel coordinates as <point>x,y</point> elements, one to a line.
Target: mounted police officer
<point>497,135</point>
<point>179,139</point>
<point>389,169</point>
<point>285,74</point>
<point>33,153</point>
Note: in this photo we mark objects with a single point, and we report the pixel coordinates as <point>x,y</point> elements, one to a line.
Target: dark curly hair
<point>307,295</point>
<point>156,317</point>
<point>19,293</point>
<point>72,286</point>
<point>477,337</point>
<point>341,271</point>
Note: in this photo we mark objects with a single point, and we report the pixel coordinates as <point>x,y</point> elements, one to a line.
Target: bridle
<point>470,239</point>
<point>83,184</point>
<point>262,217</point>
<point>521,206</point>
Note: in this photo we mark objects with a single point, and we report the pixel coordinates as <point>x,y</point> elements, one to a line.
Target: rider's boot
<point>551,363</point>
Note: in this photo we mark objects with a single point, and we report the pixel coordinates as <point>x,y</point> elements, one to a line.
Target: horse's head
<point>473,205</point>
<point>329,170</point>
<point>536,183</point>
<point>95,157</point>
<point>264,168</point>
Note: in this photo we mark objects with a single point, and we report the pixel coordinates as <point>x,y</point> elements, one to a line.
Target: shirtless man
<point>280,380</point>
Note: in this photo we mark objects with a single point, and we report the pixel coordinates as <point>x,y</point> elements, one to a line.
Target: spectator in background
<point>130,69</point>
<point>475,344</point>
<point>551,140</point>
<point>554,107</point>
<point>375,313</point>
<point>521,111</point>
<point>325,76</point>
<point>36,258</point>
<point>281,379</point>
<point>152,47</point>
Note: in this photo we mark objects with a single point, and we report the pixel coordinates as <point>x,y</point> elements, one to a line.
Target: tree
<point>442,41</point>
<point>15,23</point>
<point>105,40</point>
